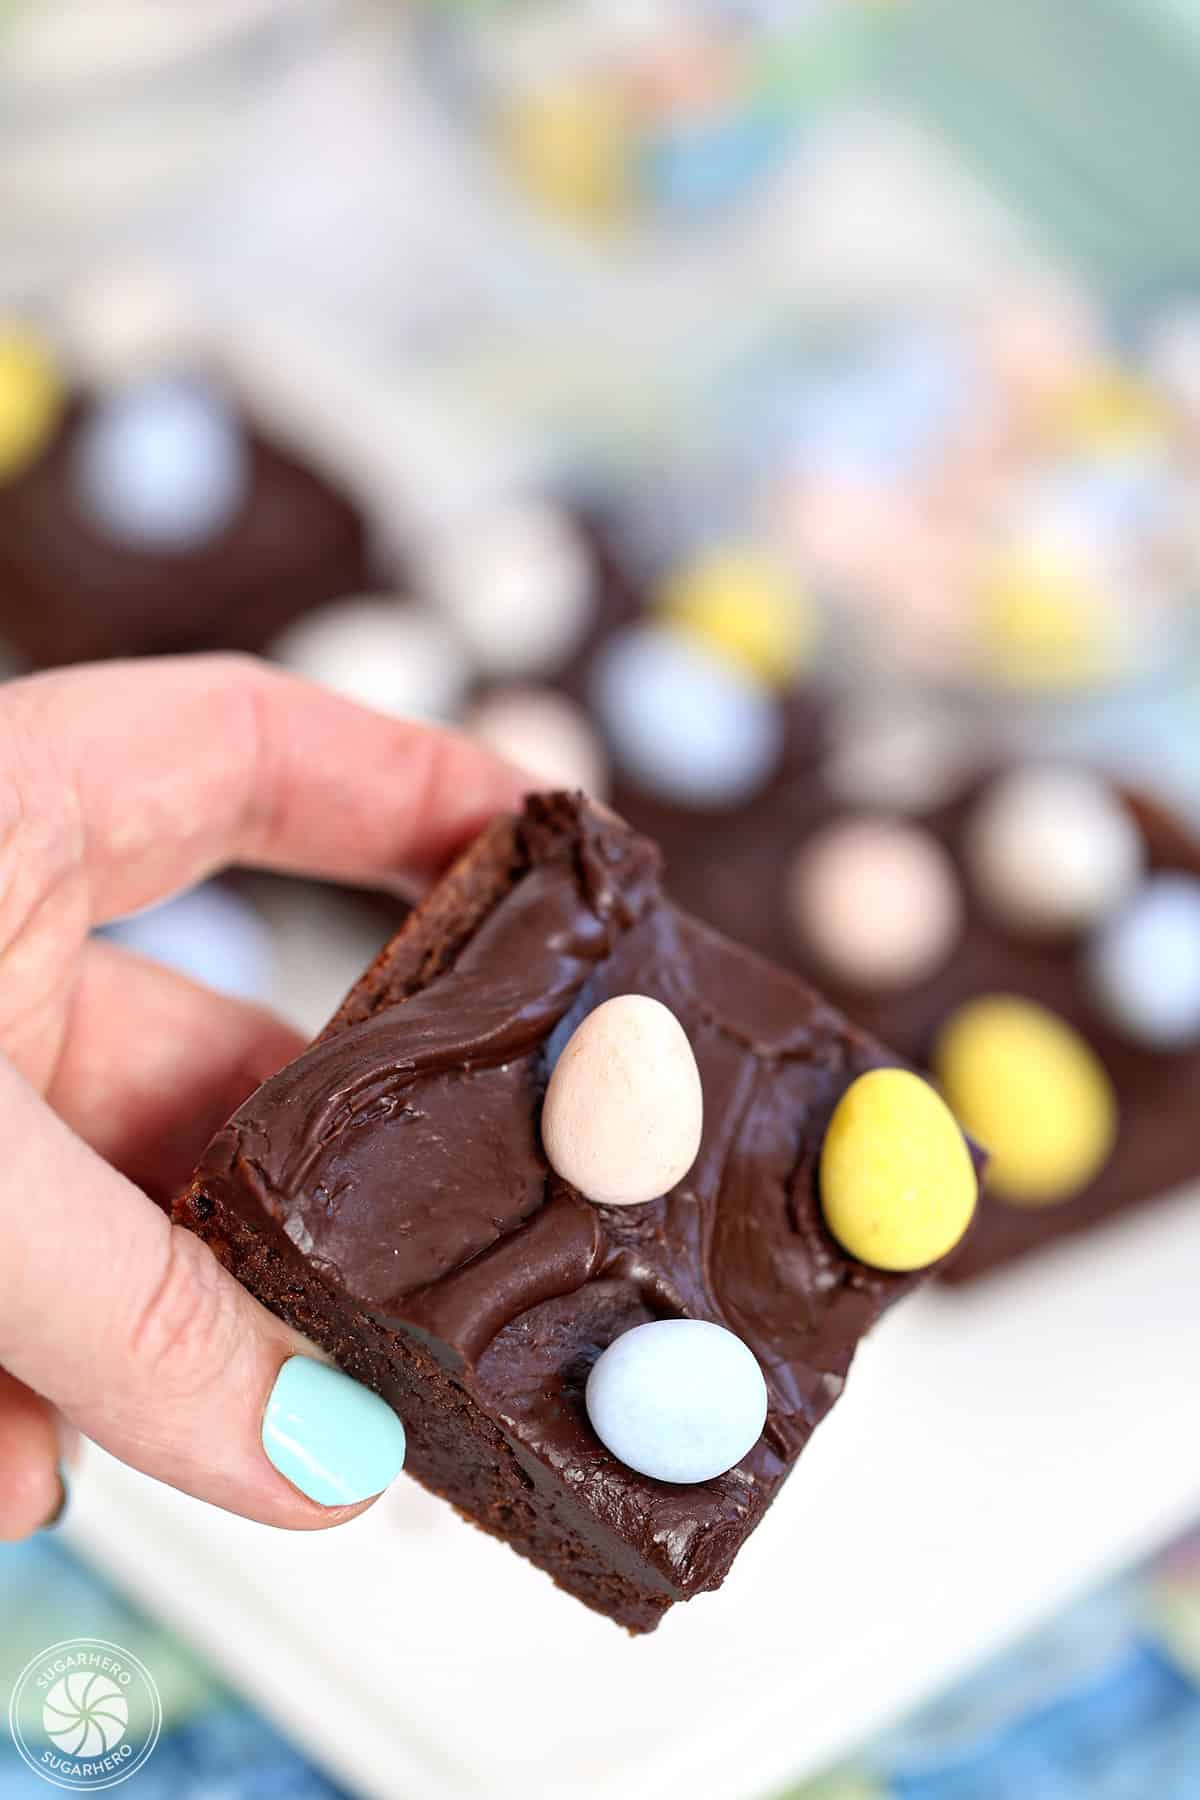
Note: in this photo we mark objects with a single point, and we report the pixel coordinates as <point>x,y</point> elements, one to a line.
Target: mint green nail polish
<point>332,1438</point>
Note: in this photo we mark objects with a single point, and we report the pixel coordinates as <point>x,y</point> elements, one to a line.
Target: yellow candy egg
<point>1042,624</point>
<point>31,398</point>
<point>1033,1094</point>
<point>897,1181</point>
<point>569,146</point>
<point>1110,409</point>
<point>745,607</point>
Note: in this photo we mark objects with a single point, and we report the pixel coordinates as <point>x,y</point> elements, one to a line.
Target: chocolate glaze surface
<point>738,880</point>
<point>400,1158</point>
<point>1158,1092</point>
<point>71,593</point>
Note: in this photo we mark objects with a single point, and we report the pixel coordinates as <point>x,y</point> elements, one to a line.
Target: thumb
<point>134,1331</point>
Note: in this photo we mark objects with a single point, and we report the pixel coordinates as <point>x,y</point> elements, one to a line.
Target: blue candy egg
<point>880,413</point>
<point>207,933</point>
<point>162,465</point>
<point>1145,964</point>
<point>685,724</point>
<point>679,1399</point>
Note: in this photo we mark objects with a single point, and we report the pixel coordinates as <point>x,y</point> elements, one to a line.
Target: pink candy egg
<point>877,900</point>
<point>544,733</point>
<point>624,1109</point>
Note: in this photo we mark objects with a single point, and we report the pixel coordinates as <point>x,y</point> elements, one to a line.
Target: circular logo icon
<point>85,1714</point>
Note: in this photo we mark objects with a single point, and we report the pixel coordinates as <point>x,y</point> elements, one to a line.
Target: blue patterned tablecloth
<point>213,1746</point>
<point>1102,1704</point>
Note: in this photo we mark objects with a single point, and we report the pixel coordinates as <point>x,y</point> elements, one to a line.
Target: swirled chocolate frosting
<point>398,1164</point>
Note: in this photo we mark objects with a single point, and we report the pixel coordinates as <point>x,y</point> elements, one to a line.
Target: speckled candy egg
<point>162,465</point>
<point>1052,849</point>
<point>678,1399</point>
<point>1144,964</point>
<point>515,583</point>
<point>685,724</point>
<point>745,608</point>
<point>877,900</point>
<point>1041,620</point>
<point>1032,1092</point>
<point>898,1185</point>
<point>128,320</point>
<point>1040,339</point>
<point>544,733</point>
<point>381,652</point>
<point>31,398</point>
<point>624,1108</point>
<point>895,758</point>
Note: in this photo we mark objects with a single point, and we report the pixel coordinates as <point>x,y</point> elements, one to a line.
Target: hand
<point>119,785</point>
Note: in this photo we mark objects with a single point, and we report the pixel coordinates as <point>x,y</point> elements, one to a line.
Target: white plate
<point>995,1452</point>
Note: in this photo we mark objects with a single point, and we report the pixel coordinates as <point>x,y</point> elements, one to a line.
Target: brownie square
<point>71,593</point>
<point>387,1194</point>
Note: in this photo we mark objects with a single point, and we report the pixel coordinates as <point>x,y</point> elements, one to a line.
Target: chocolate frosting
<point>71,592</point>
<point>401,1155</point>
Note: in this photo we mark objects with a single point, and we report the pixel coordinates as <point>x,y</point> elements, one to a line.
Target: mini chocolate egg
<point>515,582</point>
<point>381,651</point>
<point>1111,409</point>
<point>1027,1088</point>
<point>677,1399</point>
<point>624,1108</point>
<point>1089,509</point>
<point>162,465</point>
<point>128,321</point>
<point>895,758</point>
<point>568,143</point>
<point>1040,339</point>
<point>1144,964</point>
<point>1052,849</point>
<point>31,398</point>
<point>208,933</point>
<point>877,900</point>
<point>835,525</point>
<point>898,1186</point>
<point>1043,620</point>
<point>742,606</point>
<point>545,733</point>
<point>884,411</point>
<point>685,724</point>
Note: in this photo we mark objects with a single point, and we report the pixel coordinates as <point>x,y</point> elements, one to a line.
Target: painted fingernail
<point>329,1436</point>
<point>64,1496</point>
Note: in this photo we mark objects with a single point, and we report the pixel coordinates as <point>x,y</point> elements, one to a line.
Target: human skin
<point>119,785</point>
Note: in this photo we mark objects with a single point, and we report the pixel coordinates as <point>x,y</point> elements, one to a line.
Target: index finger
<point>143,777</point>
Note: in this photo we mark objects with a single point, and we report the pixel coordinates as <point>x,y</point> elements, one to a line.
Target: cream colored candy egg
<point>624,1108</point>
<point>877,899</point>
<point>515,583</point>
<point>1032,1093</point>
<point>128,321</point>
<point>898,1185</point>
<point>381,651</point>
<point>895,758</point>
<point>1052,849</point>
<point>545,734</point>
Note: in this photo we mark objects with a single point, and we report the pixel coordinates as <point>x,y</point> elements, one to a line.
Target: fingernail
<point>329,1436</point>
<point>64,1495</point>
